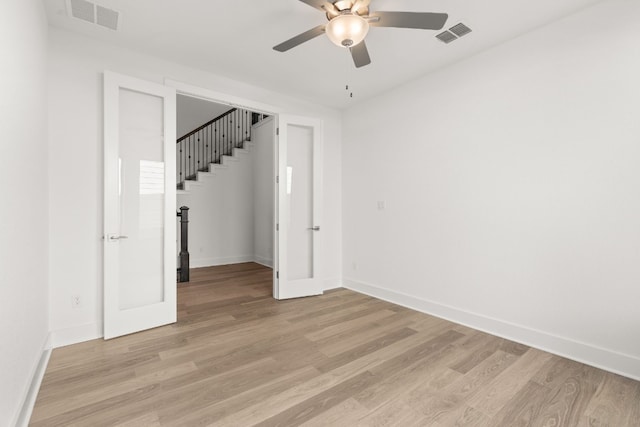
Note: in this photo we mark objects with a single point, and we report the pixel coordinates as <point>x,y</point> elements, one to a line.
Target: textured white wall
<point>76,65</point>
<point>221,215</point>
<point>23,216</point>
<point>511,186</point>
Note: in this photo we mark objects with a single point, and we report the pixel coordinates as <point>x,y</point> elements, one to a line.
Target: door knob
<point>316,228</point>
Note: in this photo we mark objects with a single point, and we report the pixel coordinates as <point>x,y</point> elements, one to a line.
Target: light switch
<point>381,205</point>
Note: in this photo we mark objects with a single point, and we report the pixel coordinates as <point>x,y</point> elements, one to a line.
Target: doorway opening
<point>225,168</point>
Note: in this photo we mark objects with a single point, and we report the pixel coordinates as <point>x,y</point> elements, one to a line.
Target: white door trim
<point>247,104</point>
<point>223,98</point>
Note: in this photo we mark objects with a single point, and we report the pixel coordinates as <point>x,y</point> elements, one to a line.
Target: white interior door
<point>139,205</point>
<point>299,234</point>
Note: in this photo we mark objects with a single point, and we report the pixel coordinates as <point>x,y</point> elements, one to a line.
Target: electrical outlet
<point>76,302</point>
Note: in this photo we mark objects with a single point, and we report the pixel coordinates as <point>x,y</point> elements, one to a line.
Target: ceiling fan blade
<point>299,39</point>
<point>360,4</point>
<point>417,20</point>
<point>360,54</point>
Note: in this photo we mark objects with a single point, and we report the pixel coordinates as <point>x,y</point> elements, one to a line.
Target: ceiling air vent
<point>107,18</point>
<point>93,13</point>
<point>453,33</point>
<point>460,29</point>
<point>82,9</point>
<point>446,37</point>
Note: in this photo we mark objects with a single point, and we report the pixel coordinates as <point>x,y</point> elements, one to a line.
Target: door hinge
<point>277,227</point>
<point>277,131</point>
<point>277,274</point>
<point>277,179</point>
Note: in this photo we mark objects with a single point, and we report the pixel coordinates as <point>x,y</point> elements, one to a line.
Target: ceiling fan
<point>349,22</point>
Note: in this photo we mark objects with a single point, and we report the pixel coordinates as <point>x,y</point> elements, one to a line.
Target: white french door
<point>299,234</point>
<point>139,205</point>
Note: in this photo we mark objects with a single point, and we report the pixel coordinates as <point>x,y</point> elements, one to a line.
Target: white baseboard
<point>267,262</point>
<point>210,262</point>
<point>334,283</point>
<point>76,334</point>
<point>29,399</point>
<point>619,363</point>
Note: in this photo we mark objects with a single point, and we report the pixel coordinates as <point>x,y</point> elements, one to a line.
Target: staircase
<point>231,202</point>
<point>213,143</point>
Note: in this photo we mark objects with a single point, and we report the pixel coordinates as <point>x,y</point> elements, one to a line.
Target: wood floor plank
<point>613,395</point>
<point>392,413</point>
<point>490,345</point>
<point>365,320</point>
<point>319,403</point>
<point>350,339</point>
<point>524,408</point>
<point>348,412</point>
<point>212,413</point>
<point>464,415</point>
<point>498,392</point>
<point>330,363</point>
<point>148,420</point>
<point>566,403</point>
<point>238,357</point>
<point>453,397</point>
<point>423,372</point>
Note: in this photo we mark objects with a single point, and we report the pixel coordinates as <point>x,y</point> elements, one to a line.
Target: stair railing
<point>214,139</point>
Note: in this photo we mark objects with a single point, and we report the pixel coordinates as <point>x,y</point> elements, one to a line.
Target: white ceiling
<point>234,38</point>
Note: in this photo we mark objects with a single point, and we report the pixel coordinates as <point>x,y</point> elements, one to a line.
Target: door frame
<point>183,88</point>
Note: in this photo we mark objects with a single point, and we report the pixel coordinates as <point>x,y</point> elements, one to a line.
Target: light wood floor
<point>237,357</point>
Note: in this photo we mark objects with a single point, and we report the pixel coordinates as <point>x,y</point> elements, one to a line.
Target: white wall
<point>221,214</point>
<point>264,186</point>
<point>75,106</point>
<point>511,185</point>
<point>23,216</point>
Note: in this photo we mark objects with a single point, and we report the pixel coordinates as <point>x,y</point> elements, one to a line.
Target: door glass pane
<point>300,202</point>
<point>141,200</point>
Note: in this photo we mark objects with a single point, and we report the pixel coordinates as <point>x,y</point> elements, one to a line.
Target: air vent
<point>446,37</point>
<point>82,9</point>
<point>453,33</point>
<point>107,18</point>
<point>93,13</point>
<point>460,29</point>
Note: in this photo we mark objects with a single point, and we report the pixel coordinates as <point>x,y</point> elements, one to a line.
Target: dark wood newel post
<point>183,270</point>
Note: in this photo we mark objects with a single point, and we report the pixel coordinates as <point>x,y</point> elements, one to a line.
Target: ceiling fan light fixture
<point>347,29</point>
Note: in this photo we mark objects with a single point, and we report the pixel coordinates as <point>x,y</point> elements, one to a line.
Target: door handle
<point>316,228</point>
<point>118,237</point>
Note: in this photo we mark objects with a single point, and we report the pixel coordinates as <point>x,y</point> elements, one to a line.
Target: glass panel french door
<point>139,205</point>
<point>299,207</point>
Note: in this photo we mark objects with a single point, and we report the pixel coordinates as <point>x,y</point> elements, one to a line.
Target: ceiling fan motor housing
<point>347,5</point>
<point>347,29</point>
